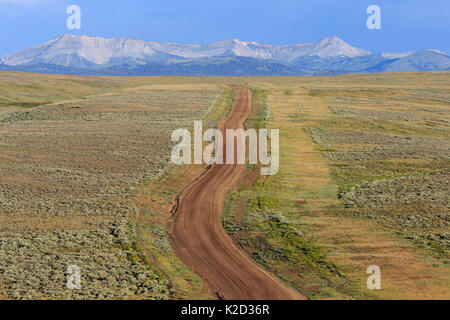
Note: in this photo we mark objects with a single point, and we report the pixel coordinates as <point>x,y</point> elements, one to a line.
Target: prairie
<point>67,173</point>
<point>363,181</point>
<point>85,179</point>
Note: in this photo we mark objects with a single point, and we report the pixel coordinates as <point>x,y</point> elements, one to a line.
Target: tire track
<point>199,239</point>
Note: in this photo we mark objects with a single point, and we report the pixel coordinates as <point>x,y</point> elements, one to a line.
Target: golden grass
<point>408,272</point>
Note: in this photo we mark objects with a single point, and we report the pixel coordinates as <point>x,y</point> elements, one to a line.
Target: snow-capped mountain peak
<point>127,56</point>
<point>68,50</point>
<point>334,46</point>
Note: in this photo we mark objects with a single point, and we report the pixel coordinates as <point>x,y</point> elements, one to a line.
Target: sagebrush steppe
<point>85,179</point>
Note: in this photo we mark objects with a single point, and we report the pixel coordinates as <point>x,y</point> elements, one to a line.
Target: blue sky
<point>406,24</point>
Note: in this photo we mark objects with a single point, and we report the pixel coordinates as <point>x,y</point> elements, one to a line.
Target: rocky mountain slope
<point>125,56</point>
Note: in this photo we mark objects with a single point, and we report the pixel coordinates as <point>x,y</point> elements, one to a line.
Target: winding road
<point>200,241</point>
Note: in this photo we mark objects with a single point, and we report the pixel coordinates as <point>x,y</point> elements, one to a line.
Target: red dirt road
<point>200,241</point>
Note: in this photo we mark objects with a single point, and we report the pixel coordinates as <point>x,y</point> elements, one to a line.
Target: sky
<point>406,25</point>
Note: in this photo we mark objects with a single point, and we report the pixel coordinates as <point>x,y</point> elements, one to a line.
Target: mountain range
<point>82,55</point>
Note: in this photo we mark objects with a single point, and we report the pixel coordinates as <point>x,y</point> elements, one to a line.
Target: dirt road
<point>200,241</point>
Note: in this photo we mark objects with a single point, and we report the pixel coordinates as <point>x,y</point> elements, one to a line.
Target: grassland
<point>85,180</point>
<point>363,180</point>
<point>390,151</point>
<point>155,202</point>
<point>68,171</point>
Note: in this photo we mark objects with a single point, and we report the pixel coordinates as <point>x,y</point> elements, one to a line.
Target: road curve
<point>200,241</point>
